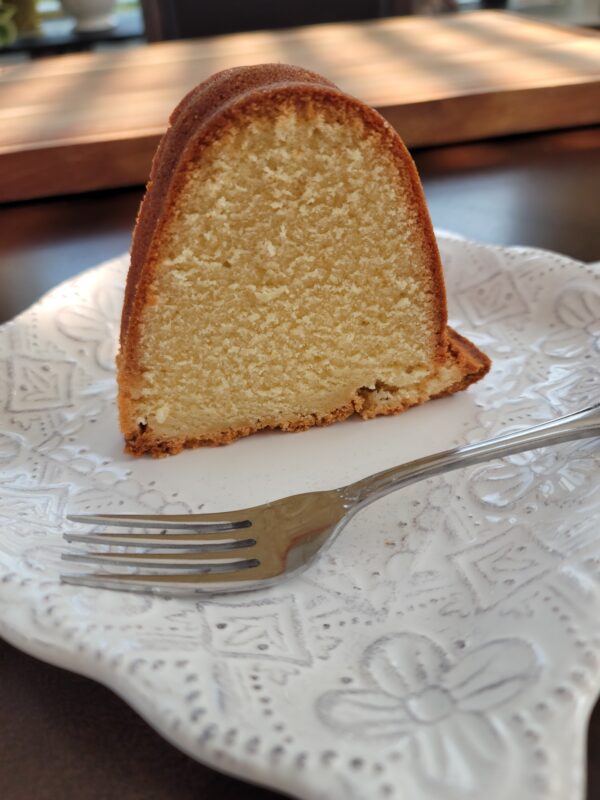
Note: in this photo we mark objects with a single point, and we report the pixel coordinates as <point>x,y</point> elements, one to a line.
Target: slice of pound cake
<point>284,271</point>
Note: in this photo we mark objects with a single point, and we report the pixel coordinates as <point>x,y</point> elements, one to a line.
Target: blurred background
<point>33,28</point>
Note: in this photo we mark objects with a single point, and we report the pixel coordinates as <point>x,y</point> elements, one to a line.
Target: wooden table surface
<point>63,737</point>
<point>438,79</point>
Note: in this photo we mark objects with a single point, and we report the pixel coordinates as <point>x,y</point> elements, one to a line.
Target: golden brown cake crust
<point>196,122</point>
<point>188,119</point>
<point>228,99</point>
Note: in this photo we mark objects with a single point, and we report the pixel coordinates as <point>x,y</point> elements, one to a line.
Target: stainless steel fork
<point>255,547</point>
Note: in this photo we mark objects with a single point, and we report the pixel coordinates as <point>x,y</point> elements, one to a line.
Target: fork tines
<point>216,549</point>
<point>183,522</point>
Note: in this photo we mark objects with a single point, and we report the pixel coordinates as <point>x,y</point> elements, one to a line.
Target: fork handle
<point>579,425</point>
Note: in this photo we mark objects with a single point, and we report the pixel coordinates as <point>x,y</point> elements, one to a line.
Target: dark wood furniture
<point>63,737</point>
<point>186,19</point>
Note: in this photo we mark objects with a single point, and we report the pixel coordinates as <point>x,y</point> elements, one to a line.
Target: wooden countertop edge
<point>58,168</point>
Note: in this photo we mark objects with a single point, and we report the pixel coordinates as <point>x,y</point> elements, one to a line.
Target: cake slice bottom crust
<point>464,364</point>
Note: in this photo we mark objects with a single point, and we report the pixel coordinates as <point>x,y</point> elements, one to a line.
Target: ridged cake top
<point>199,118</point>
<point>194,112</point>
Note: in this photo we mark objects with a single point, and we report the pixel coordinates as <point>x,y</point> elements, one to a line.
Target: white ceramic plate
<point>447,645</point>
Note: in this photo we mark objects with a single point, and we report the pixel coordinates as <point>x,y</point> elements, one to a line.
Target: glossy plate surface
<point>447,645</point>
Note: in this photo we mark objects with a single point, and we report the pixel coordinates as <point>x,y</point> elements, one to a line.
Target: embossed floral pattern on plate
<point>447,644</point>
